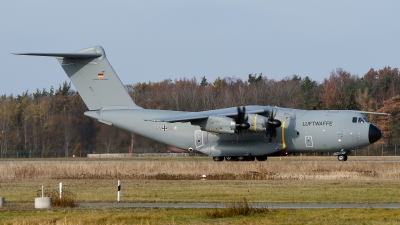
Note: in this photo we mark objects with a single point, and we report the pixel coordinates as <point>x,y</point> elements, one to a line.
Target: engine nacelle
<point>257,123</point>
<point>217,124</point>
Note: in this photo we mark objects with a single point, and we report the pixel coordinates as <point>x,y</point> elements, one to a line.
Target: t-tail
<point>94,78</point>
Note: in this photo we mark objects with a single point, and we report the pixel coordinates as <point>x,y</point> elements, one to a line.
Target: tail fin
<point>94,78</point>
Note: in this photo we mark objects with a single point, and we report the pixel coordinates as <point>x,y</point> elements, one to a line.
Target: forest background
<point>51,123</point>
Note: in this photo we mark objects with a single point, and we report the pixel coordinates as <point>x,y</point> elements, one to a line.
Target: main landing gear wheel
<point>230,158</point>
<point>238,158</point>
<point>241,158</point>
<point>218,158</point>
<point>261,158</point>
<point>342,157</point>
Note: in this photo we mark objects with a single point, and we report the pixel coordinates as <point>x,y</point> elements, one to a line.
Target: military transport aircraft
<point>239,133</point>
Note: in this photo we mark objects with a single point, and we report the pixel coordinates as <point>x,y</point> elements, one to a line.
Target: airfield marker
<point>60,190</point>
<point>119,191</point>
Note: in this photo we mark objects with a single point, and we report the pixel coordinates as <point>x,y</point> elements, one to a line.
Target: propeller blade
<point>241,120</point>
<point>272,124</point>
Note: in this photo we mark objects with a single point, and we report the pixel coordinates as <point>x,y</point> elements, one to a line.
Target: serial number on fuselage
<point>317,123</point>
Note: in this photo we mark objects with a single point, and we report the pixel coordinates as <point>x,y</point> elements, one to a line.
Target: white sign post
<point>119,191</point>
<point>60,190</point>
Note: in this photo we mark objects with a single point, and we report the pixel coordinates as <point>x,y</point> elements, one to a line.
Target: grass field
<point>195,216</point>
<point>278,180</point>
<point>212,191</point>
<point>279,168</point>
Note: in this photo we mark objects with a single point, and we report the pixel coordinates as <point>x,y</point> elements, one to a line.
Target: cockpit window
<point>366,119</point>
<point>354,119</point>
<point>360,120</point>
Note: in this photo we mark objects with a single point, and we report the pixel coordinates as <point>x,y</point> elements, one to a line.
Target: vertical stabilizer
<point>94,78</point>
<point>96,81</point>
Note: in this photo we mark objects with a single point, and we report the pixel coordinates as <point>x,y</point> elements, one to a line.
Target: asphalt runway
<point>258,205</point>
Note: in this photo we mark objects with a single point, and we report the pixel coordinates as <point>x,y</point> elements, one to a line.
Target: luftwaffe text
<point>317,123</point>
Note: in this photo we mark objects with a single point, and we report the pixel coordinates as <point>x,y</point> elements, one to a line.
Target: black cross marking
<point>164,128</point>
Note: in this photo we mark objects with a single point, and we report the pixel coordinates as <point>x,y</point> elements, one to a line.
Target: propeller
<point>241,120</point>
<point>272,124</point>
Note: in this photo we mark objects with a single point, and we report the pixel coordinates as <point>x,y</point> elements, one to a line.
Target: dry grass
<point>288,168</point>
<point>236,209</point>
<point>68,198</point>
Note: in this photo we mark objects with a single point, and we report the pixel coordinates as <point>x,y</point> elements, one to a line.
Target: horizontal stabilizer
<point>65,55</point>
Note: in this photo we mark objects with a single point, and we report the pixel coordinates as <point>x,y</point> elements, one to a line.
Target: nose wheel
<point>342,157</point>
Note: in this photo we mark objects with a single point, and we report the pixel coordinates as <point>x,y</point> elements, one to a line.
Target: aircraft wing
<point>374,113</point>
<point>189,116</point>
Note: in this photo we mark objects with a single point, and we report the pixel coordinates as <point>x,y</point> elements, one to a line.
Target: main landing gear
<point>239,158</point>
<point>218,158</point>
<point>342,157</point>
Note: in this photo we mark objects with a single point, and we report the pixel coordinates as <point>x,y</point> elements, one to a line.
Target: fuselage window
<point>360,120</point>
<point>366,119</point>
<point>354,119</point>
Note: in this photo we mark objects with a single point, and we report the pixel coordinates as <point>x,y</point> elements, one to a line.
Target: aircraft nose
<point>374,134</point>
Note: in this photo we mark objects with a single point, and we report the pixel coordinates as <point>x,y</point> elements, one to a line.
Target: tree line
<point>51,123</point>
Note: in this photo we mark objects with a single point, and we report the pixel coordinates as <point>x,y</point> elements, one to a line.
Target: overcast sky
<point>155,40</point>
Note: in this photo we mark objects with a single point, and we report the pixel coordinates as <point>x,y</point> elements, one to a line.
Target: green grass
<point>81,215</point>
<point>212,191</point>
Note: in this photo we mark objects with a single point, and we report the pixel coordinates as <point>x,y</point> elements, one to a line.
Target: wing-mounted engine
<point>242,122</point>
<point>216,124</point>
<point>257,122</point>
<point>260,123</point>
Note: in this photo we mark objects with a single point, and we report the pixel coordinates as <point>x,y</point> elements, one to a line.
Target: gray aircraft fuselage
<point>230,133</point>
<point>303,131</point>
